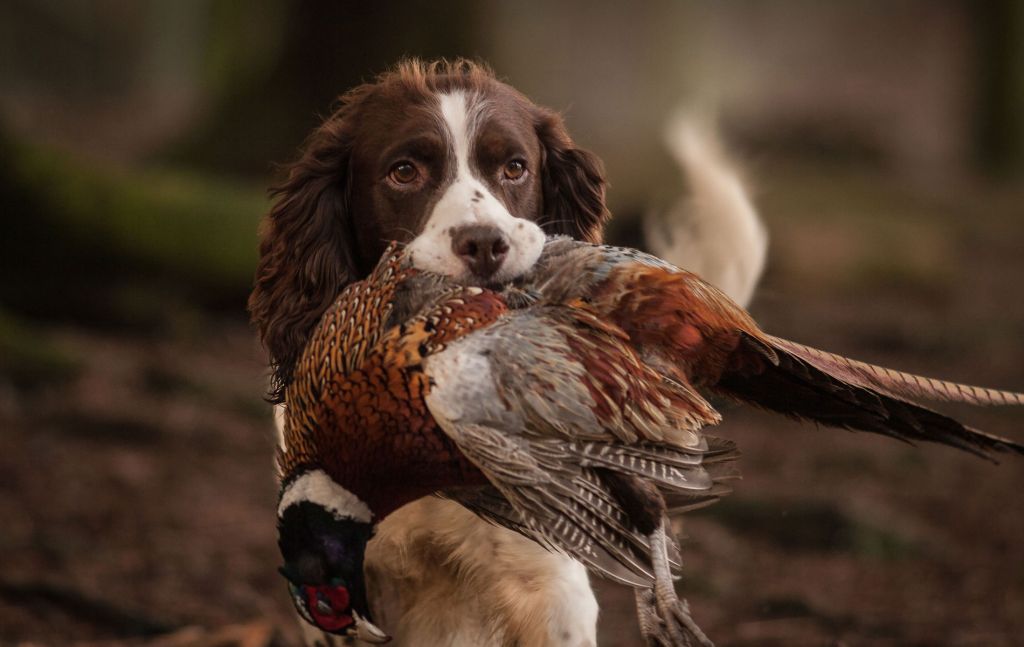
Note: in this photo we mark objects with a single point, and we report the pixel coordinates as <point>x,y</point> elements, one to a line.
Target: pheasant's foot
<point>664,618</point>
<point>651,626</point>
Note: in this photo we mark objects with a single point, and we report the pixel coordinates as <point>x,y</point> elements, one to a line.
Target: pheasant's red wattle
<point>337,598</point>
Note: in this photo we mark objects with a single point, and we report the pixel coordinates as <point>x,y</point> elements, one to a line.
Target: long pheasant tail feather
<point>809,384</point>
<point>896,383</point>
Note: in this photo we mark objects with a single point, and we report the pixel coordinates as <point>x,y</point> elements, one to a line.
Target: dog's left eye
<point>515,169</point>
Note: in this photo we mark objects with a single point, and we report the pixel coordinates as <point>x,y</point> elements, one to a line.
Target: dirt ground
<point>137,493</point>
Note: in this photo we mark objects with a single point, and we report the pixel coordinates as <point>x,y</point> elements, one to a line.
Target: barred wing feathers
<point>541,416</point>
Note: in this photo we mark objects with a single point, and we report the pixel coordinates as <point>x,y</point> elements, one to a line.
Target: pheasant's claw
<point>682,631</point>
<point>652,627</point>
<point>694,634</point>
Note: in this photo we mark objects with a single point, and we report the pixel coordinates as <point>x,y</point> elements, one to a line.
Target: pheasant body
<point>357,407</point>
<point>569,406</point>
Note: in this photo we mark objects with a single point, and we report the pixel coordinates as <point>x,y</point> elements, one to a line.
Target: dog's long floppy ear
<point>305,248</point>
<point>573,183</point>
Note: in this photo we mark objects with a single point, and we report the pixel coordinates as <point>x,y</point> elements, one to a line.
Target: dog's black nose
<point>481,247</point>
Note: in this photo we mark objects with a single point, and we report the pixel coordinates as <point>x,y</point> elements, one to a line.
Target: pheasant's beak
<point>369,632</point>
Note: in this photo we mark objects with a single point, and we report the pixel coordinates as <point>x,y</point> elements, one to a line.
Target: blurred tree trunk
<point>327,47</point>
<point>1000,116</point>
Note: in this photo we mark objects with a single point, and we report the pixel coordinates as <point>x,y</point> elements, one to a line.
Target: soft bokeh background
<point>885,142</point>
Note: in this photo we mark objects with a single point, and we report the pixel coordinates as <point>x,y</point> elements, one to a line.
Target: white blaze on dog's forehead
<point>317,487</point>
<point>455,112</point>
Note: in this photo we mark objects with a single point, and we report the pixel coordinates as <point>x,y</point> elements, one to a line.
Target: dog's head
<point>443,157</point>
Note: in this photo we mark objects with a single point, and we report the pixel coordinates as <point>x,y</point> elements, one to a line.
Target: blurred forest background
<point>885,142</point>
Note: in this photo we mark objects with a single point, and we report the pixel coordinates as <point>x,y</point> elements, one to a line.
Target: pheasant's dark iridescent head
<point>322,534</point>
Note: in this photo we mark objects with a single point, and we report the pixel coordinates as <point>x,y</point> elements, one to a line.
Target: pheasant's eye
<point>514,170</point>
<point>404,172</point>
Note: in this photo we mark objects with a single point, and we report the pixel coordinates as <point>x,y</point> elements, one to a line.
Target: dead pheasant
<point>568,407</point>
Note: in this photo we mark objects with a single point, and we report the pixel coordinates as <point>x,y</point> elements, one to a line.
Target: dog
<point>443,157</point>
<point>472,176</point>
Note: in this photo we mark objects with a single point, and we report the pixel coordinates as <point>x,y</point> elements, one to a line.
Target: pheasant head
<point>322,534</point>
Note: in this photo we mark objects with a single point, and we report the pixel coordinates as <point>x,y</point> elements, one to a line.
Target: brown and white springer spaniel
<point>444,157</point>
<point>471,175</point>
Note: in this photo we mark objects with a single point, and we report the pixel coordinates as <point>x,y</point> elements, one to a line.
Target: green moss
<point>190,226</point>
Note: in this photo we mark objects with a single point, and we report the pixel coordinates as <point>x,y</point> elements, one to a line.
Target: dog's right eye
<point>403,173</point>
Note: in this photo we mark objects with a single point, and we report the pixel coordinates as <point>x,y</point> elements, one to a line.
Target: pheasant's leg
<point>674,612</point>
<point>664,619</point>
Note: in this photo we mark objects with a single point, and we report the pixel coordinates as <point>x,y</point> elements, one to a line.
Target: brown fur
<point>327,228</point>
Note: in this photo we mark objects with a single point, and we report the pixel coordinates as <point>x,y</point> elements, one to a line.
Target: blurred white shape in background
<point>715,230</point>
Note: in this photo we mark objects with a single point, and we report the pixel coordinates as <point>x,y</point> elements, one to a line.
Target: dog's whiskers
<point>554,221</point>
<point>404,230</point>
